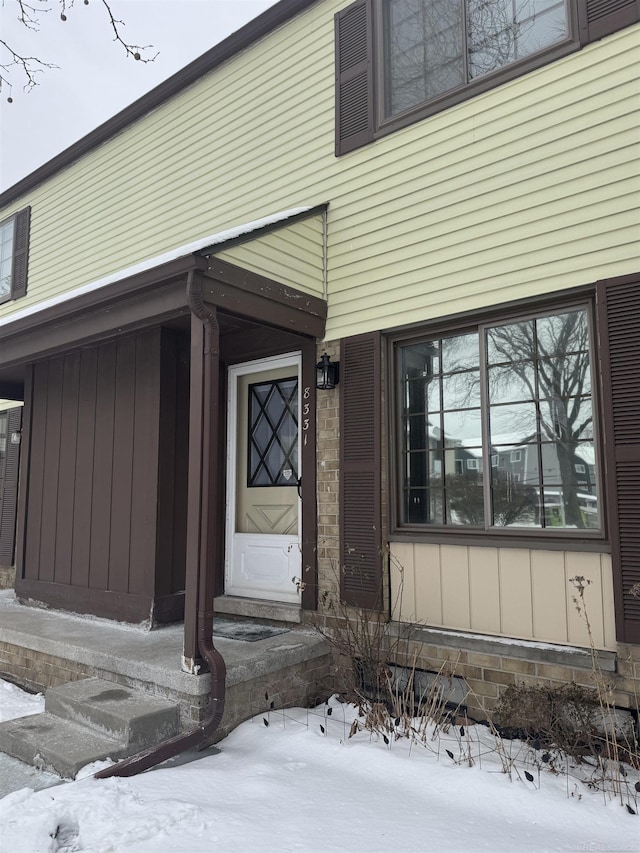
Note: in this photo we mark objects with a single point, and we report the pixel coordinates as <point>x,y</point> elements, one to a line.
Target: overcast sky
<point>95,78</point>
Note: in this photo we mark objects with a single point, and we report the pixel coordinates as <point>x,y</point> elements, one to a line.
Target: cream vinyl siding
<point>529,188</point>
<point>293,255</point>
<point>513,592</point>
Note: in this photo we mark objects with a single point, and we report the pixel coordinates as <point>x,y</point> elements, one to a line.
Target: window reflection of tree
<point>548,358</point>
<point>426,54</point>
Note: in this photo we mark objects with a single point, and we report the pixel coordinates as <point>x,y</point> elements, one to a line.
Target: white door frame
<point>292,544</point>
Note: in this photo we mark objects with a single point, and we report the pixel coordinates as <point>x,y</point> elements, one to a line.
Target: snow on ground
<point>291,787</point>
<point>16,703</point>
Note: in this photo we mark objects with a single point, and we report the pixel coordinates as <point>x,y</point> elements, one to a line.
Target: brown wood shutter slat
<point>354,76</point>
<point>599,18</point>
<point>618,303</point>
<point>20,253</point>
<point>360,475</point>
<point>9,497</point>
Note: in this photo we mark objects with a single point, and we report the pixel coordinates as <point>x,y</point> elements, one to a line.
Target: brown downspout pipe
<point>204,385</point>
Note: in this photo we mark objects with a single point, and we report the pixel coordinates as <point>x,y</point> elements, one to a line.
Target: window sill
<point>475,88</point>
<point>506,539</point>
<point>539,652</point>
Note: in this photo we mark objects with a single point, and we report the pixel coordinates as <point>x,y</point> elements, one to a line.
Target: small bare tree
<point>30,13</point>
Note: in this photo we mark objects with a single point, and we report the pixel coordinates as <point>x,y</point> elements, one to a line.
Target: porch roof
<point>152,292</point>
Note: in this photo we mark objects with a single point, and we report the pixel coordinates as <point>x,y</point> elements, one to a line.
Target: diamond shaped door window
<point>273,433</point>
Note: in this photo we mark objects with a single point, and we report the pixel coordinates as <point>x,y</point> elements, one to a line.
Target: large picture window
<point>497,427</point>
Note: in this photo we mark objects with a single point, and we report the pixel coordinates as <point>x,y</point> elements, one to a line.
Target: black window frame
<point>545,537</point>
<point>359,71</point>
<point>21,221</point>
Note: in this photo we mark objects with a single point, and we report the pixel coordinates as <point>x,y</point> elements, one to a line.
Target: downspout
<point>209,386</point>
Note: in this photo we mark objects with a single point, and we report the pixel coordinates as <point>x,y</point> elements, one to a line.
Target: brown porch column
<point>203,484</point>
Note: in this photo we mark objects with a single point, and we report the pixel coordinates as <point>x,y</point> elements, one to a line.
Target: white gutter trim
<point>173,255</point>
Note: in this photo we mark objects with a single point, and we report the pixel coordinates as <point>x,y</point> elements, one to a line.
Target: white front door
<point>263,556</point>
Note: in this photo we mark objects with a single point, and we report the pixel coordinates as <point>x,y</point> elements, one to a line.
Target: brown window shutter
<point>360,475</point>
<point>9,496</point>
<point>618,303</point>
<point>20,253</point>
<point>599,18</point>
<point>354,76</point>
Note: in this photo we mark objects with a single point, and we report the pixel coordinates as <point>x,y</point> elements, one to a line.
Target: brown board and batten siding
<point>104,462</point>
<point>360,472</point>
<point>618,304</point>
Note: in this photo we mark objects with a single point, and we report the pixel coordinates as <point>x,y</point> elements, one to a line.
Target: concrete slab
<point>138,720</point>
<point>50,743</point>
<point>144,656</point>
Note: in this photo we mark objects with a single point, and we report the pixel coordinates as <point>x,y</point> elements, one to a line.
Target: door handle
<point>299,487</point>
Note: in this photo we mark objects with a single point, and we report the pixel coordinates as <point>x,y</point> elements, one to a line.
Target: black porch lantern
<point>327,373</point>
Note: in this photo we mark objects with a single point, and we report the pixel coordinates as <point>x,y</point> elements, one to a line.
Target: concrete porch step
<point>86,721</point>
<point>50,743</point>
<point>134,718</point>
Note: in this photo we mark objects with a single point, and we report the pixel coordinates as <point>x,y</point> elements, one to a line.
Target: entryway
<point>263,513</point>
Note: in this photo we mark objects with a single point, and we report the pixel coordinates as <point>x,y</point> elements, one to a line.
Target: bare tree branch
<point>29,67</point>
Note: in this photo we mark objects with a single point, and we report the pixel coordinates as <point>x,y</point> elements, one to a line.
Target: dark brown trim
<point>20,254</point>
<point>103,297</point>
<point>618,314</point>
<point>258,342</point>
<point>360,522</point>
<point>9,493</point>
<point>248,294</point>
<point>354,67</point>
<point>475,88</point>
<point>502,540</point>
<point>110,605</point>
<point>149,298</point>
<point>256,29</point>
<point>168,608</point>
<point>600,18</point>
<point>20,265</point>
<point>25,463</point>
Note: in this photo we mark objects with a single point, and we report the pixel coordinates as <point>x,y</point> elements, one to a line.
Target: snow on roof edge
<point>172,255</point>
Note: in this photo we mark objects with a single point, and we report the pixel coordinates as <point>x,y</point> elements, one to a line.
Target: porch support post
<point>203,487</point>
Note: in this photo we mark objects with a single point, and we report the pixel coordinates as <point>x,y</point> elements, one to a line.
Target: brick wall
<point>328,461</point>
<point>489,665</point>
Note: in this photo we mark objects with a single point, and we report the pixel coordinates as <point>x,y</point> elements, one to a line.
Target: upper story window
<point>14,255</point>
<point>399,61</point>
<point>496,427</point>
<point>435,46</point>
